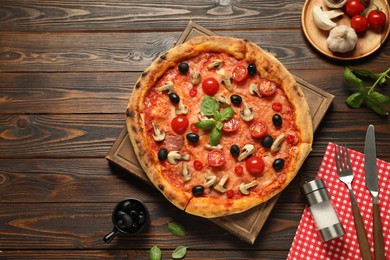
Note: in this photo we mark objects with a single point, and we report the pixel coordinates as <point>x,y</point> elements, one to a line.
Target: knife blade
<point>371,174</point>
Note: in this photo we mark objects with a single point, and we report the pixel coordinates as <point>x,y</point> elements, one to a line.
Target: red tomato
<point>193,128</point>
<point>198,165</point>
<point>179,124</point>
<point>230,193</point>
<point>240,73</point>
<point>193,92</point>
<point>359,23</point>
<point>258,129</point>
<point>216,158</point>
<point>290,139</point>
<point>254,165</point>
<point>277,107</point>
<point>376,18</point>
<point>238,170</point>
<point>267,88</point>
<point>210,86</point>
<point>230,126</point>
<point>354,7</point>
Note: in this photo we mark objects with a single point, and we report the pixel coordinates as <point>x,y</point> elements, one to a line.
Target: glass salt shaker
<point>324,214</point>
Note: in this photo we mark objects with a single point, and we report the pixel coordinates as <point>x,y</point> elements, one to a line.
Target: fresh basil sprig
<point>366,95</point>
<point>210,107</point>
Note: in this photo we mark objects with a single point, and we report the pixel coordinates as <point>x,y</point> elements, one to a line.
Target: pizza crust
<point>269,67</point>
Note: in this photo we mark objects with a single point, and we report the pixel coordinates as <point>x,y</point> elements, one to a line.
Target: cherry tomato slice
<point>216,158</point>
<point>255,165</point>
<point>376,19</point>
<point>180,124</point>
<point>240,72</point>
<point>193,92</point>
<point>230,126</point>
<point>238,170</point>
<point>277,106</point>
<point>230,193</point>
<point>193,128</point>
<point>267,88</point>
<point>198,165</point>
<point>258,129</point>
<point>210,86</point>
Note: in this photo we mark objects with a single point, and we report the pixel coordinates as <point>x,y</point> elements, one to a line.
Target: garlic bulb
<point>342,39</point>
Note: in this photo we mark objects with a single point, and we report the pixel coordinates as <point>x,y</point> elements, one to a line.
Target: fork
<point>344,169</point>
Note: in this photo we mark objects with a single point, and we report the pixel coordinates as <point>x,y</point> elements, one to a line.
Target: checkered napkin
<point>307,243</point>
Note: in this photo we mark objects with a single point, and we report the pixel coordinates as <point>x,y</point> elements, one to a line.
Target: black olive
<point>183,67</point>
<point>235,150</point>
<point>198,190</point>
<point>127,220</point>
<point>192,137</point>
<point>278,164</point>
<point>120,213</point>
<point>267,141</point>
<point>252,69</point>
<point>236,99</point>
<point>141,219</point>
<point>174,97</point>
<point>120,224</point>
<point>277,120</point>
<point>162,154</point>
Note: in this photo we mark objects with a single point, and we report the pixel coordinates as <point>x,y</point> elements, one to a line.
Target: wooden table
<point>67,70</point>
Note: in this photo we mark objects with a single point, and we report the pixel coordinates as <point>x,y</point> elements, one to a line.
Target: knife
<point>371,175</point>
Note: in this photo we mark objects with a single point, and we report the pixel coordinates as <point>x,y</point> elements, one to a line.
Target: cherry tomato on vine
<point>179,124</point>
<point>354,7</point>
<point>376,18</point>
<point>359,23</point>
<point>210,86</point>
<point>267,88</point>
<point>216,158</point>
<point>254,165</point>
<point>240,73</point>
<point>258,129</point>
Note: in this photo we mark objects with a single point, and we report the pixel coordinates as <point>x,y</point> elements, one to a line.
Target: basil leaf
<point>227,113</point>
<point>363,73</point>
<point>376,106</point>
<point>355,100</point>
<point>353,81</point>
<point>382,99</point>
<point>209,105</point>
<point>179,252</point>
<point>215,136</point>
<point>205,124</point>
<point>217,116</point>
<point>176,229</point>
<point>155,253</point>
<point>219,125</point>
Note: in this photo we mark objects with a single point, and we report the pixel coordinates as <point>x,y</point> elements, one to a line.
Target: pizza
<point>218,125</point>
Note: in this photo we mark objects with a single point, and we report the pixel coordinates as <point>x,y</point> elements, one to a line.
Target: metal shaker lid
<point>331,232</point>
<point>315,192</point>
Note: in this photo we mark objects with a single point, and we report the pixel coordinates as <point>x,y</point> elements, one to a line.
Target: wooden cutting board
<point>246,225</point>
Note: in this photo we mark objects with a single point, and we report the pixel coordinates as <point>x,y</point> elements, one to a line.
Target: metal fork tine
<point>336,152</point>
<point>348,158</point>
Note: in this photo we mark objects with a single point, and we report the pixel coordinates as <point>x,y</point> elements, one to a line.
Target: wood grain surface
<point>66,72</point>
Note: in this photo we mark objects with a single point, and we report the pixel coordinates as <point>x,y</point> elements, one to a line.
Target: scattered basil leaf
<point>352,80</point>
<point>215,136</point>
<point>205,124</point>
<point>179,252</point>
<point>155,253</point>
<point>227,113</point>
<point>382,99</point>
<point>373,104</point>
<point>209,105</point>
<point>363,73</point>
<point>176,229</point>
<point>355,100</point>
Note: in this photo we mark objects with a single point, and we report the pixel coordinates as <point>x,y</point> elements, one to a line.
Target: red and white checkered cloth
<point>307,243</point>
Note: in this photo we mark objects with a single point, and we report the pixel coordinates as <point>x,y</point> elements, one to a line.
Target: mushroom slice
<point>181,109</point>
<point>168,86</point>
<point>278,143</point>
<point>246,151</point>
<point>244,187</point>
<point>215,147</point>
<point>209,181</point>
<point>226,80</point>
<point>174,157</point>
<point>195,77</point>
<point>247,113</point>
<point>215,64</point>
<point>254,90</point>
<point>222,100</point>
<point>220,186</point>
<point>202,116</point>
<point>186,174</point>
<point>158,135</point>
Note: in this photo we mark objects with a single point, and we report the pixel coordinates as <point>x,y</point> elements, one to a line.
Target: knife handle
<point>361,233</point>
<point>378,234</point>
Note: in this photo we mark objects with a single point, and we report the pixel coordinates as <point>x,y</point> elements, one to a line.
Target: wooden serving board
<point>248,224</point>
